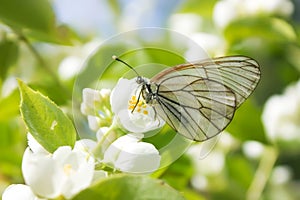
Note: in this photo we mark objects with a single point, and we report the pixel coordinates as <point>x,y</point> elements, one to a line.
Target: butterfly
<point>198,100</point>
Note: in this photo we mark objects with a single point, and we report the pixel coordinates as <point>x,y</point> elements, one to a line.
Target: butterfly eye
<point>140,80</point>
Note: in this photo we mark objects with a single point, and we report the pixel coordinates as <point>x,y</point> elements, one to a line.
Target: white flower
<point>203,44</point>
<point>210,166</point>
<point>35,146</point>
<point>281,117</point>
<point>8,86</point>
<point>72,64</point>
<point>93,100</point>
<point>280,7</point>
<point>124,98</point>
<point>226,11</point>
<point>19,191</point>
<point>85,146</point>
<point>186,23</point>
<point>128,154</point>
<point>94,122</point>
<point>209,159</point>
<point>65,172</point>
<point>96,105</point>
<point>253,149</point>
<point>281,175</point>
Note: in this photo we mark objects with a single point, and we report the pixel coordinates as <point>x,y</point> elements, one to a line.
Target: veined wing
<point>198,100</point>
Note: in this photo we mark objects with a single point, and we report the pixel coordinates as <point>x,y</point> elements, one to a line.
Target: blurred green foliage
<point>33,44</point>
<point>130,187</point>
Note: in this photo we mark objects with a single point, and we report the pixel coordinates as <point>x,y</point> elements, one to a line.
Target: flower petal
<point>66,172</point>
<point>127,154</point>
<point>19,191</point>
<point>131,111</point>
<point>35,146</point>
<point>121,94</point>
<point>39,172</point>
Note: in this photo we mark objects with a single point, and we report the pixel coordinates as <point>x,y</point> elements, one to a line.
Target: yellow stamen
<point>68,169</point>
<point>139,106</point>
<point>145,112</point>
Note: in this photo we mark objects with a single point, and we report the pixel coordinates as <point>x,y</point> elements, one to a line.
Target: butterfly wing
<point>199,100</point>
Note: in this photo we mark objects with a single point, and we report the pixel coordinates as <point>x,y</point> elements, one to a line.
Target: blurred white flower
<point>281,117</point>
<point>212,44</point>
<point>226,11</point>
<point>280,175</point>
<point>65,172</point>
<point>19,191</point>
<point>128,154</point>
<point>199,43</point>
<point>253,149</point>
<point>209,158</point>
<point>186,23</point>
<point>209,166</point>
<point>72,64</point>
<point>69,67</point>
<point>124,98</point>
<point>8,86</point>
<point>279,7</point>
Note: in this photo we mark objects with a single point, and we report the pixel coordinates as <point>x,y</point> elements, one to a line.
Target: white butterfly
<point>198,100</point>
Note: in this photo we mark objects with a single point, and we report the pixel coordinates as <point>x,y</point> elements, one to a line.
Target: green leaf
<point>32,14</point>
<point>203,8</point>
<point>44,120</point>
<point>272,29</point>
<point>36,19</point>
<point>129,187</point>
<point>179,173</point>
<point>60,35</point>
<point>246,124</point>
<point>241,172</point>
<point>8,55</point>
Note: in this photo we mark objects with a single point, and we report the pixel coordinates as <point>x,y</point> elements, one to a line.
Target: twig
<point>262,174</point>
<point>41,61</point>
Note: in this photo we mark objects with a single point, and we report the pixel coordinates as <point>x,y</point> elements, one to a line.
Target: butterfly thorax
<point>148,91</point>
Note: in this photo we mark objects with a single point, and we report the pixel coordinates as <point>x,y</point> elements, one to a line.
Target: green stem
<point>262,174</point>
<point>107,139</point>
<point>41,61</point>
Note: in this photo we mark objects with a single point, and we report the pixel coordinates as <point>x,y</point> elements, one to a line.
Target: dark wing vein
<point>199,100</point>
<point>168,112</point>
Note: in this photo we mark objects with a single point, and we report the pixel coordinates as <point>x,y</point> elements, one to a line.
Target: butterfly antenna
<point>118,59</point>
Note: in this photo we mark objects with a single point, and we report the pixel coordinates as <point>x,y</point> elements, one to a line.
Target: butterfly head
<point>141,81</point>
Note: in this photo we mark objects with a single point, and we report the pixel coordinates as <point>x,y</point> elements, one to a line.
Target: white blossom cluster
<point>66,171</point>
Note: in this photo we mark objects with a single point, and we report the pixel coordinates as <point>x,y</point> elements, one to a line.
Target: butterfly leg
<point>138,100</point>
